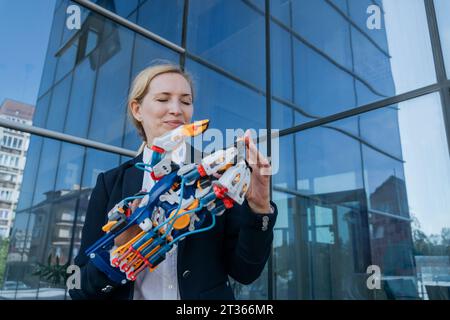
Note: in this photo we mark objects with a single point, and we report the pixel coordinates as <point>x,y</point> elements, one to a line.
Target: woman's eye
<point>162,100</point>
<point>188,103</point>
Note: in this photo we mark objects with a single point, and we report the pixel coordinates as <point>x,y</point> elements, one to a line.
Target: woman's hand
<point>258,194</point>
<point>131,232</point>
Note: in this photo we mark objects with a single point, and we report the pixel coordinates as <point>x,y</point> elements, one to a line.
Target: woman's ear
<point>136,110</point>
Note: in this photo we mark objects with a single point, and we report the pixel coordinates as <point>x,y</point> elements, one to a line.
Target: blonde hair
<point>140,87</point>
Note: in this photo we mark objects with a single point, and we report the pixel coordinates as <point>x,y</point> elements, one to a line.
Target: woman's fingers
<point>135,204</point>
<point>254,157</point>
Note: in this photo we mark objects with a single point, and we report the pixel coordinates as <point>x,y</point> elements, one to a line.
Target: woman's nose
<point>175,107</point>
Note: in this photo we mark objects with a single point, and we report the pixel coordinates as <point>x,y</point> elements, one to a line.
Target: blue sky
<point>24,32</point>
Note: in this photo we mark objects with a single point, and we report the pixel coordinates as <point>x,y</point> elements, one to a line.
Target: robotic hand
<point>176,207</point>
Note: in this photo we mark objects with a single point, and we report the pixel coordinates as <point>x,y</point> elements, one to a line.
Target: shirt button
<point>107,289</point>
<point>186,274</point>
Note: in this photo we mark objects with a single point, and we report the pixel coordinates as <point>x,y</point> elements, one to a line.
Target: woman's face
<point>166,106</point>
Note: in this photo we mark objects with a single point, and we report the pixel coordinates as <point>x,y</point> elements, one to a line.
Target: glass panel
<point>58,108</point>
<point>333,36</point>
<point>96,162</point>
<point>93,93</point>
<point>146,53</point>
<point>70,167</point>
<point>121,7</point>
<point>45,178</point>
<point>40,115</point>
<point>357,12</point>
<point>162,17</point>
<point>282,56</point>
<point>50,215</point>
<point>80,100</point>
<point>280,9</point>
<point>66,62</point>
<point>344,64</point>
<point>226,103</point>
<point>285,177</point>
<point>366,195</point>
<point>109,105</point>
<point>165,18</point>
<point>221,30</point>
<point>255,291</point>
<point>53,38</point>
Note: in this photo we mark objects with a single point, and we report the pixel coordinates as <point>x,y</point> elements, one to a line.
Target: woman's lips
<point>174,123</point>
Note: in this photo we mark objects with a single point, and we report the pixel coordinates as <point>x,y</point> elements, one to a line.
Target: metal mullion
<point>46,133</point>
<point>270,271</point>
<point>439,63</point>
<point>363,109</point>
<point>184,33</point>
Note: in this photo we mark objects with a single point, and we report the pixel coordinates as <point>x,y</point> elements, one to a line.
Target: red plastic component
<point>152,174</point>
<point>158,149</point>
<point>228,202</point>
<point>201,170</point>
<point>220,191</point>
<point>140,255</point>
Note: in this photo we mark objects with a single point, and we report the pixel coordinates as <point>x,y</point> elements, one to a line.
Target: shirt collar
<point>147,157</point>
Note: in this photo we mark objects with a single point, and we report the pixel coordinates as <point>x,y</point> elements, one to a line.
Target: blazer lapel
<point>132,179</point>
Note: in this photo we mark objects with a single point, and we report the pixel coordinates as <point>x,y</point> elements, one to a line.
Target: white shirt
<point>162,283</point>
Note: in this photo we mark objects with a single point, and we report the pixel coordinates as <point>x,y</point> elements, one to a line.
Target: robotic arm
<point>175,208</point>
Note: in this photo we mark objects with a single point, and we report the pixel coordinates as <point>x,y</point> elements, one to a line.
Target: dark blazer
<point>238,245</point>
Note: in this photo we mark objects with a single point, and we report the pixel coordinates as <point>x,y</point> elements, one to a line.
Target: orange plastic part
<point>108,226</point>
<point>184,220</point>
<point>195,128</point>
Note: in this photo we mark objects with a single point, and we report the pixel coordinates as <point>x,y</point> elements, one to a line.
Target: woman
<point>161,99</point>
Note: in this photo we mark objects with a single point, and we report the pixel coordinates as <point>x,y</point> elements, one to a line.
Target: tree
<point>53,273</point>
<point>445,236</point>
<point>4,245</point>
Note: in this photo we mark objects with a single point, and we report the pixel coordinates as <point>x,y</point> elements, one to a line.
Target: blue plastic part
<point>156,157</point>
<point>192,175</point>
<point>143,240</point>
<point>101,261</point>
<point>152,245</point>
<point>99,251</point>
<point>101,248</point>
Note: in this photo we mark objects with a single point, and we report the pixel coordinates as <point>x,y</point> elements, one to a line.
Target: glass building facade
<point>359,90</point>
